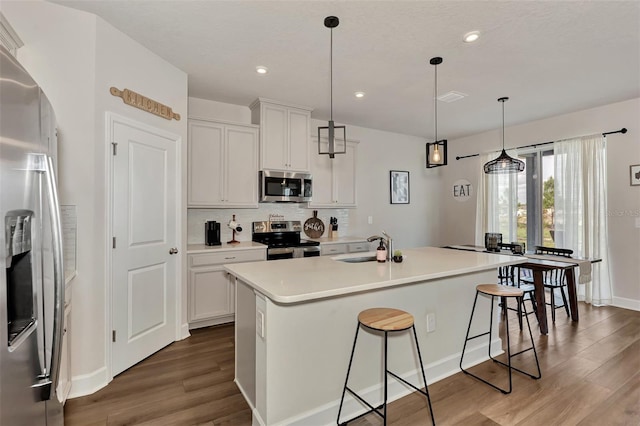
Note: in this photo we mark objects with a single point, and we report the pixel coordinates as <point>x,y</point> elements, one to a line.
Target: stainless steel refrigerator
<point>31,276</point>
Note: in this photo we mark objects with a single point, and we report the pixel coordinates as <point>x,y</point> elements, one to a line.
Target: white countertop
<point>305,279</point>
<point>242,245</point>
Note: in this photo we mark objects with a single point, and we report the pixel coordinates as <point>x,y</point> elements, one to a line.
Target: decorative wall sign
<point>399,187</point>
<point>462,190</point>
<point>134,99</point>
<point>635,174</point>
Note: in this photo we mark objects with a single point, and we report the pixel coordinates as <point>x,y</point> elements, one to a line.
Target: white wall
<point>411,225</point>
<point>76,57</point>
<point>458,225</point>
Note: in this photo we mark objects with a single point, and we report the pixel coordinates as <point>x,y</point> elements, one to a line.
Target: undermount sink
<point>357,259</point>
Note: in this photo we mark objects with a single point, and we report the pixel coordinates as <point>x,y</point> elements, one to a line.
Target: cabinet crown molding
<point>258,101</point>
<point>215,120</point>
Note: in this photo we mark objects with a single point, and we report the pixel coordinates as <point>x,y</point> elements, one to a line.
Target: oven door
<point>280,253</point>
<point>308,251</point>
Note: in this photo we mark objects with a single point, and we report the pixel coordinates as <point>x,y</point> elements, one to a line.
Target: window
<point>535,209</point>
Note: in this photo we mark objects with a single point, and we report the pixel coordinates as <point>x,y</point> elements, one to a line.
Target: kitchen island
<point>296,318</point>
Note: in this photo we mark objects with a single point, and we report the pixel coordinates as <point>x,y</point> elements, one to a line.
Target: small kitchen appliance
<point>285,187</point>
<point>212,233</point>
<point>282,239</point>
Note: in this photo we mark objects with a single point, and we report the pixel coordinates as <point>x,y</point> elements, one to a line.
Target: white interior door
<point>144,261</point>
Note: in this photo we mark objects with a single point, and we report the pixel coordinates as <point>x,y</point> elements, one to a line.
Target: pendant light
<point>336,140</point>
<point>504,163</point>
<point>437,150</point>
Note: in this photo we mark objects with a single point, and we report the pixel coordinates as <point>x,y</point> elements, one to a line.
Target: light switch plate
<point>637,222</point>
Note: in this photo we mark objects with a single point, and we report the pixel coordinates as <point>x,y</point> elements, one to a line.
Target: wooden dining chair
<point>555,279</point>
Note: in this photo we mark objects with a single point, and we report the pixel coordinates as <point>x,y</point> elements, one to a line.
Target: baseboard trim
<point>621,302</point>
<point>86,384</point>
<point>184,331</point>
<point>326,414</point>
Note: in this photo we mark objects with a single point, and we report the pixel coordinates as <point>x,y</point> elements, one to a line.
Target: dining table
<point>538,264</point>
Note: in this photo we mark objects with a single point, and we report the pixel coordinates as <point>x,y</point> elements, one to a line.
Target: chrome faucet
<point>388,243</point>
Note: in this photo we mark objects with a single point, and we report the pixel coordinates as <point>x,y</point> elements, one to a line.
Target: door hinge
<point>113,242</point>
<point>113,335</point>
<point>115,147</point>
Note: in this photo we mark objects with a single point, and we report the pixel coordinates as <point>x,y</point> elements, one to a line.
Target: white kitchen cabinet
<point>334,179</point>
<point>223,164</point>
<point>211,290</point>
<point>284,135</point>
<point>332,249</point>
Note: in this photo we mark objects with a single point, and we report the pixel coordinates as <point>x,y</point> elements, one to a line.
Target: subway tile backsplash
<point>196,219</point>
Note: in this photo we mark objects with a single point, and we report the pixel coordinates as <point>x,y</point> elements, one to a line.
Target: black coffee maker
<point>212,233</point>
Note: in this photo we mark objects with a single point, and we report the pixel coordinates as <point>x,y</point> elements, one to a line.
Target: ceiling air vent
<point>451,96</point>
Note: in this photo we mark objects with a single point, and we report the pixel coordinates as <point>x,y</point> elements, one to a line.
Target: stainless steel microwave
<point>285,187</point>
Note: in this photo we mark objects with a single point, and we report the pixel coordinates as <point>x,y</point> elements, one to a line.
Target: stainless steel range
<point>283,239</point>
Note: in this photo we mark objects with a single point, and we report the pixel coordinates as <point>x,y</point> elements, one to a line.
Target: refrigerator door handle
<point>49,382</point>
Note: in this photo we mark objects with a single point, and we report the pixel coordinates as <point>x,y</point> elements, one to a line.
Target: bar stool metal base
<point>381,410</point>
<point>509,354</point>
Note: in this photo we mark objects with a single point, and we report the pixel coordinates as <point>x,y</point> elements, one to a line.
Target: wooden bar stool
<point>387,320</point>
<point>503,292</point>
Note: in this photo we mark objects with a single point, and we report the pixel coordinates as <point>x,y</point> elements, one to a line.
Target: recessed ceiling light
<point>262,70</point>
<point>471,37</point>
<point>359,94</point>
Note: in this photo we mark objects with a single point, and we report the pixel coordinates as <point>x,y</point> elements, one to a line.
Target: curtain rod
<point>623,131</point>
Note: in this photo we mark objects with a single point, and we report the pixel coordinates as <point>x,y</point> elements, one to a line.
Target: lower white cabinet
<point>342,248</point>
<point>211,288</point>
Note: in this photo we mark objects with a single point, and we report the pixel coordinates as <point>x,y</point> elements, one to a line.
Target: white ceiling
<point>548,57</point>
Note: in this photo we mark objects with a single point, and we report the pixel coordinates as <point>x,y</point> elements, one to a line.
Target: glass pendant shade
<point>436,154</point>
<point>504,163</point>
<point>332,139</point>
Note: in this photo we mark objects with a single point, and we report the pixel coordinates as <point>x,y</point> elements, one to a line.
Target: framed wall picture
<point>399,187</point>
<point>635,174</point>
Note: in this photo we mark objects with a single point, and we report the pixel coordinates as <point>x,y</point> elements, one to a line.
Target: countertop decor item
<point>313,227</point>
<point>235,227</point>
<point>436,150</point>
<point>504,163</point>
<point>397,256</point>
<point>337,141</point>
<point>399,187</point>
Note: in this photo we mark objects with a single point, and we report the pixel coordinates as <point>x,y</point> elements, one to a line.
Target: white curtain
<point>581,209</point>
<point>497,202</point>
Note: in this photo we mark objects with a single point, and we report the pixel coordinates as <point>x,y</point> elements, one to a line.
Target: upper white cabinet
<point>223,164</point>
<point>284,135</point>
<point>334,180</point>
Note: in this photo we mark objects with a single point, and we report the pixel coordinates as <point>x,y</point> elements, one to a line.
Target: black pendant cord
<point>435,105</point>
<point>331,74</point>
<point>623,131</point>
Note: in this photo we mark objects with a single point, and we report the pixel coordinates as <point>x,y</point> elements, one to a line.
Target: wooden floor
<point>590,376</point>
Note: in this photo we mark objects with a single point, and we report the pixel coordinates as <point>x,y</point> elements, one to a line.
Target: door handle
<point>173,250</point>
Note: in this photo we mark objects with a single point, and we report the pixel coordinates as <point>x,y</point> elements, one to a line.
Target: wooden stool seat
<point>499,290</point>
<point>386,319</point>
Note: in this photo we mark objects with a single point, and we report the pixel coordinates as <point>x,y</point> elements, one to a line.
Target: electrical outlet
<point>431,322</point>
<point>260,323</point>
